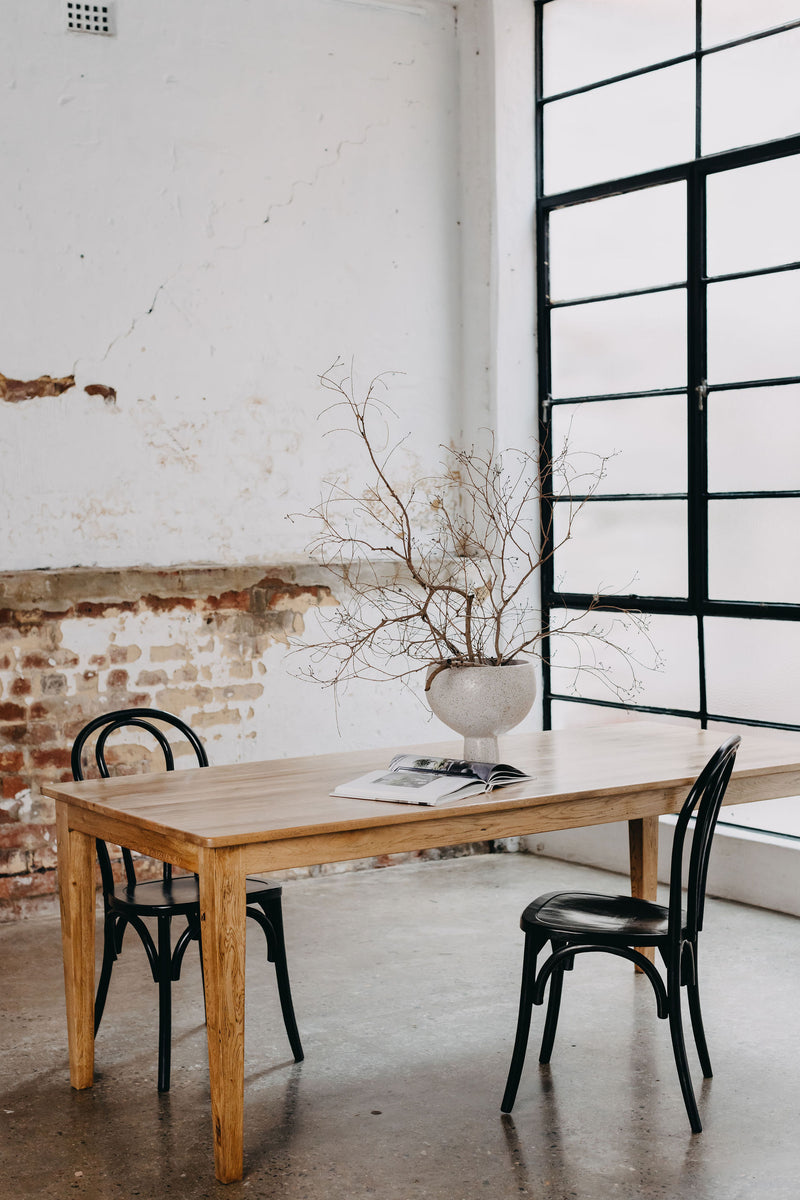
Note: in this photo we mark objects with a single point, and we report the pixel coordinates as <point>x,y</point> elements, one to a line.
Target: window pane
<point>750,669</point>
<point>644,439</point>
<point>630,241</point>
<point>621,129</point>
<point>660,668</point>
<point>726,20</point>
<point>752,217</point>
<point>635,344</point>
<point>564,715</point>
<point>751,93</point>
<point>586,41</point>
<point>753,439</point>
<point>753,552</point>
<point>752,328</point>
<point>624,548</point>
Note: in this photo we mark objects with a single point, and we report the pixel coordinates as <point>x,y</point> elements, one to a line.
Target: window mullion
<point>696,416</point>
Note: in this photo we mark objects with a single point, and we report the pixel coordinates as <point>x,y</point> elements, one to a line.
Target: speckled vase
<point>482,702</point>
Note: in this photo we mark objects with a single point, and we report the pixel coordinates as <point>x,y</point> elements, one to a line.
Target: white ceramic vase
<point>481,702</point>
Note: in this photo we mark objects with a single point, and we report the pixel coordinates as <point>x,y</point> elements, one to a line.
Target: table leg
<point>643,845</point>
<point>76,890</point>
<point>222,924</point>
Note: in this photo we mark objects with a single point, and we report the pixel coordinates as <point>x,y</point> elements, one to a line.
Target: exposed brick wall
<point>77,643</point>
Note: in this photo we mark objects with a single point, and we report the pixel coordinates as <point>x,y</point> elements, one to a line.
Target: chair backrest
<point>103,727</point>
<point>703,802</point>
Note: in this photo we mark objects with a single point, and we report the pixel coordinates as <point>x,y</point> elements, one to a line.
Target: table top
<point>266,801</point>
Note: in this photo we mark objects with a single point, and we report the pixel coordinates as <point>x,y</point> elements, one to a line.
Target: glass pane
<point>752,328</point>
<point>564,715</point>
<point>585,41</point>
<point>766,106</point>
<point>753,439</point>
<point>659,666</point>
<point>753,553</point>
<point>629,345</point>
<point>750,669</point>
<point>643,439</point>
<point>726,20</point>
<point>619,130</point>
<point>630,241</point>
<point>752,217</point>
<point>623,547</point>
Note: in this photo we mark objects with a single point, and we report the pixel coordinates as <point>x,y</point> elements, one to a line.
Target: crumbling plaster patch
<point>77,643</point>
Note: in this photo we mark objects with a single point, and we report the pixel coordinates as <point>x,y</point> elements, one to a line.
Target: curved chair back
<point>104,726</point>
<point>703,802</point>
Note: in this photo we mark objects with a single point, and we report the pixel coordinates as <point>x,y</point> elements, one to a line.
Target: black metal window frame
<point>694,173</point>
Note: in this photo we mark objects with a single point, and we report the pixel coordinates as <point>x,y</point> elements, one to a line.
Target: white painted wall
<point>207,209</point>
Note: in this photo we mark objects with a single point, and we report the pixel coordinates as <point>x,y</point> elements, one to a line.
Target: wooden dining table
<point>224,822</point>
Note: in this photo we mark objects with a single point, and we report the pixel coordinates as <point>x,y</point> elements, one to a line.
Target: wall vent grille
<point>90,18</point>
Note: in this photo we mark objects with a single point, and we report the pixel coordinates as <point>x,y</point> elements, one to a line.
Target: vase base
<point>481,749</point>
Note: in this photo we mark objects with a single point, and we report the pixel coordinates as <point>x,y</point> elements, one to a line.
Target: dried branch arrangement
<point>439,571</point>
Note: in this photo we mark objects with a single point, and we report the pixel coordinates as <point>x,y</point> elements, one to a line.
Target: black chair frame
<point>172,896</point>
<point>573,923</point>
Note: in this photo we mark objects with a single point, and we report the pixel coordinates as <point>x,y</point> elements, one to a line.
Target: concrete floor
<point>405,984</point>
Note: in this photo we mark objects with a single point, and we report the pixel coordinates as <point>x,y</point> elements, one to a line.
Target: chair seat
<point>179,896</point>
<point>620,919</point>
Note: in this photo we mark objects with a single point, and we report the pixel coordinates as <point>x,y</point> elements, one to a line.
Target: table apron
<point>166,848</point>
<point>341,845</point>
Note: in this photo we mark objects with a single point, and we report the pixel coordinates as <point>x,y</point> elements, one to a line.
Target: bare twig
<point>441,572</point>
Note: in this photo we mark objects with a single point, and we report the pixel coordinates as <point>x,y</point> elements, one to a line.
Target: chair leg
<point>164,1004</point>
<point>277,953</point>
<point>109,957</point>
<point>679,1048</point>
<point>693,991</point>
<point>532,947</point>
<point>551,1020</point>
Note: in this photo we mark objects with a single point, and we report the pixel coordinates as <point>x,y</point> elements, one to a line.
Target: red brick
<point>40,732</point>
<point>20,687</point>
<point>6,662</point>
<point>26,837</point>
<point>16,887</point>
<point>12,712</point>
<point>35,662</point>
<point>118,654</point>
<point>11,760</point>
<point>50,758</point>
<point>13,733</point>
<point>13,785</point>
<point>117,679</point>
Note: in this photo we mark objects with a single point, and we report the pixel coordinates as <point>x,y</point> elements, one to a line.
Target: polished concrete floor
<point>405,985</point>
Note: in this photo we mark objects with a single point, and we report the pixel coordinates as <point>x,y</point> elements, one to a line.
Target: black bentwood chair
<point>127,904</point>
<point>580,922</point>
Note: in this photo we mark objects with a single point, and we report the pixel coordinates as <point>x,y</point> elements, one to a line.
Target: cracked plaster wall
<point>206,210</point>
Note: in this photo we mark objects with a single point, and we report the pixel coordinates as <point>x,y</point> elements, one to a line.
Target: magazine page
<point>494,774</point>
<point>409,786</point>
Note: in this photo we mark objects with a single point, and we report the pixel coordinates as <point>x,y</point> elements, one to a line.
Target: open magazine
<point>410,779</point>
